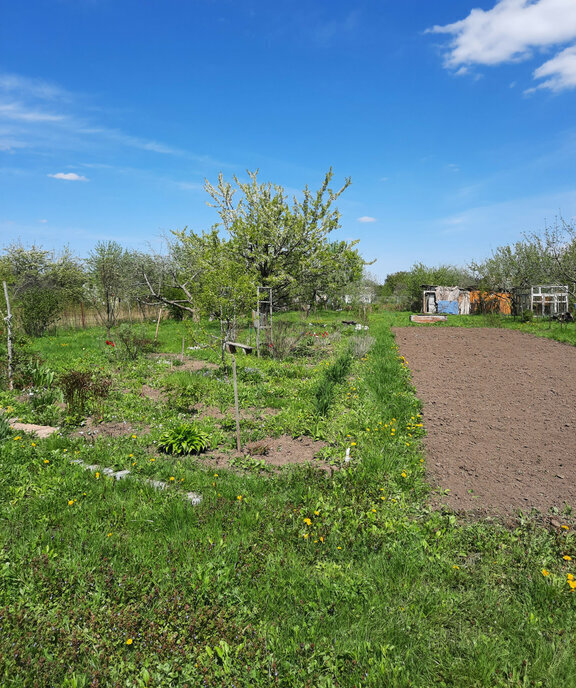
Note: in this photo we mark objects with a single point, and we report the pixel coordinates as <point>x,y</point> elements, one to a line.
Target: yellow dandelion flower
<point>17,438</point>
<point>566,557</point>
<point>97,475</point>
<point>46,461</point>
<point>374,510</point>
<point>305,536</point>
<point>172,478</point>
<point>569,576</point>
<point>317,513</point>
<point>338,547</point>
<point>456,567</point>
<point>109,535</point>
<point>133,437</point>
<point>308,521</point>
<point>33,444</point>
<point>403,474</point>
<point>215,475</point>
<point>565,527</point>
<point>321,539</point>
<point>130,456</point>
<point>129,641</point>
<point>352,444</point>
<point>70,502</point>
<point>239,498</point>
<point>572,584</point>
<point>545,573</point>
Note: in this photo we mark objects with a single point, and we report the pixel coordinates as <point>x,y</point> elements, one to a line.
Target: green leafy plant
<point>325,389</point>
<point>79,387</point>
<point>250,463</point>
<point>183,439</point>
<point>134,342</point>
<point>5,429</point>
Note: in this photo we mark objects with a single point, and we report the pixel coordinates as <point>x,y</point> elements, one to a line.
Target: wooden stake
<point>158,324</point>
<point>8,320</point>
<point>182,356</point>
<point>236,407</point>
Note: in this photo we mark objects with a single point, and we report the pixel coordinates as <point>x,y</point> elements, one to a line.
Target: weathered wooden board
<point>427,318</point>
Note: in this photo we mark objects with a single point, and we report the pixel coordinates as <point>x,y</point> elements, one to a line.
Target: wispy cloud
<point>17,111</point>
<point>366,218</point>
<point>69,177</point>
<point>510,32</point>
<point>35,113</point>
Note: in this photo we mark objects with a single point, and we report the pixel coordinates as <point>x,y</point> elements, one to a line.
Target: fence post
<point>236,406</point>
<point>8,320</point>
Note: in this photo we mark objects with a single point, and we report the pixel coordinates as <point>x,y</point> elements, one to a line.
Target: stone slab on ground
<point>42,431</point>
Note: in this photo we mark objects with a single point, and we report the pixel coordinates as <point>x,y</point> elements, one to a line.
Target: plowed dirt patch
<point>500,413</point>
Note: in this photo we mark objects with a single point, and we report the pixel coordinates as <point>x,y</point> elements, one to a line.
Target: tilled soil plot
<point>499,410</point>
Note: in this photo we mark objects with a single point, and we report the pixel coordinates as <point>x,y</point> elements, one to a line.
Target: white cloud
<point>69,177</point>
<point>366,218</point>
<point>35,88</point>
<point>43,221</point>
<point>561,70</point>
<point>23,114</point>
<point>510,32</point>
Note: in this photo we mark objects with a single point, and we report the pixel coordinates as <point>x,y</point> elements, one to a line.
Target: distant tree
<point>110,278</point>
<point>42,284</point>
<point>522,264</point>
<point>405,287</point>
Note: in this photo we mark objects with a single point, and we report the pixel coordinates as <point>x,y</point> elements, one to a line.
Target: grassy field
<point>302,577</point>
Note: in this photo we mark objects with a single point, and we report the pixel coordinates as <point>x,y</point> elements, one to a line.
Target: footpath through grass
<point>297,579</point>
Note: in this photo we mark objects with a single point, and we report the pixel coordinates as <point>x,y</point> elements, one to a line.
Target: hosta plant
<point>183,439</point>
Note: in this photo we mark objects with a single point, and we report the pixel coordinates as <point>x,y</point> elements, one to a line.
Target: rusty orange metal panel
<point>491,301</point>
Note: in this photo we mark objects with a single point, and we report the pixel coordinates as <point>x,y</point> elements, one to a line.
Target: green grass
<point>296,579</point>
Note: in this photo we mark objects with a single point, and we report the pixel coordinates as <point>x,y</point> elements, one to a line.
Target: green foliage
<point>109,272</point>
<point>285,245</point>
<point>527,316</point>
<point>133,341</point>
<point>183,439</point>
<point>184,391</point>
<point>332,376</point>
<point>286,339</point>
<point>80,387</point>
<point>5,429</point>
<point>42,284</point>
<point>292,578</point>
<point>38,309</point>
<point>404,289</point>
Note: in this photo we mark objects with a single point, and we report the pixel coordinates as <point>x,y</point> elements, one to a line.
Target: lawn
<point>333,574</point>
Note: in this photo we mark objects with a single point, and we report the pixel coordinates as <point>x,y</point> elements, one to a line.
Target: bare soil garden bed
<point>275,452</point>
<point>499,410</point>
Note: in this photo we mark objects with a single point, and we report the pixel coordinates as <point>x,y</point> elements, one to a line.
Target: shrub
<point>183,439</point>
<point>134,342</point>
<point>526,316</point>
<point>360,346</point>
<point>79,387</point>
<point>38,309</point>
<point>184,391</point>
<point>286,338</point>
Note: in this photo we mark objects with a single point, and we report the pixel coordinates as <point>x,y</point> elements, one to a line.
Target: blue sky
<point>455,120</point>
